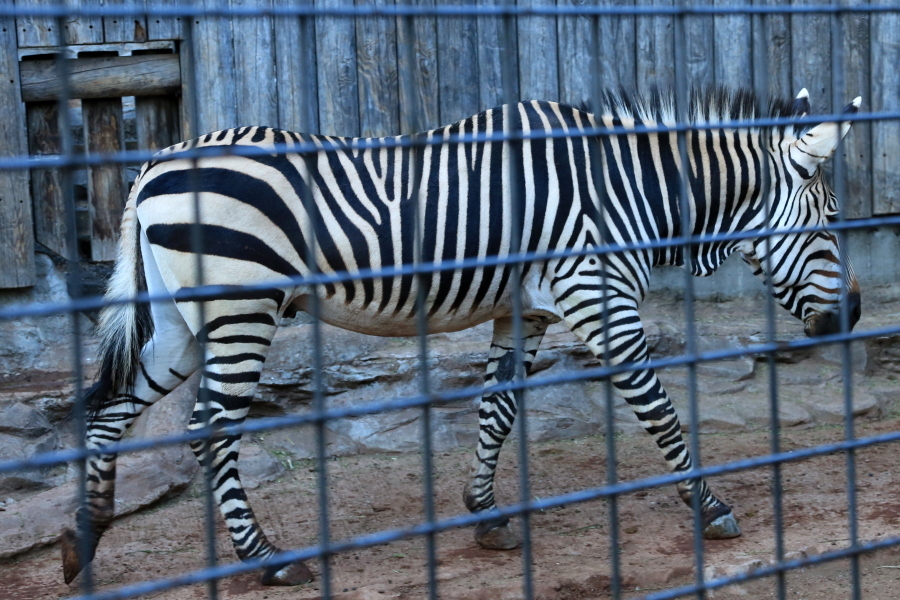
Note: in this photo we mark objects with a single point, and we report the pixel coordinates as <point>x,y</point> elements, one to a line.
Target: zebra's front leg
<point>496,415</point>
<point>645,394</point>
<point>229,383</point>
<point>168,359</point>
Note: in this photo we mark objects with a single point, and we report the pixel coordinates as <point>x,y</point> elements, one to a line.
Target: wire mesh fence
<point>423,272</point>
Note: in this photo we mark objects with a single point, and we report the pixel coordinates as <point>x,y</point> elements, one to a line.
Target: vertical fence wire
<point>599,179</point>
<point>513,139</point>
<point>761,85</point>
<point>682,111</point>
<point>840,188</point>
<point>319,399</point>
<point>203,397</point>
<point>409,95</point>
<point>85,527</point>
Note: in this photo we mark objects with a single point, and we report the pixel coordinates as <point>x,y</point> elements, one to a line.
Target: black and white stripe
<point>353,206</point>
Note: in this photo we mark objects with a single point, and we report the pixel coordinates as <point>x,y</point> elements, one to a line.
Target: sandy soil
<point>570,544</point>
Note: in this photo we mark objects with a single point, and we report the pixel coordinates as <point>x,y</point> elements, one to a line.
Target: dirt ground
<point>570,544</point>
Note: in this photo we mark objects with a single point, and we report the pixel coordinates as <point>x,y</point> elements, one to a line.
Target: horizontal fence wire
<point>499,10</point>
<point>306,148</point>
<point>428,398</point>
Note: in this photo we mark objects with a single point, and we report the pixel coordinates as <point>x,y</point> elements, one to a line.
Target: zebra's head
<point>805,268</point>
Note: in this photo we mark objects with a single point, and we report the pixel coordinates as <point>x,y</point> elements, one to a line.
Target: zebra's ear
<point>800,107</point>
<point>819,143</point>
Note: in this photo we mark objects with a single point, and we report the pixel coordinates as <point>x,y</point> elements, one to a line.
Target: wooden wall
<point>343,76</point>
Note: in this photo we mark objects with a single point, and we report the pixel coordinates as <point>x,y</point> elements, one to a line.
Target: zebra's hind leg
<point>236,349</point>
<point>496,415</point>
<point>168,358</point>
<point>642,390</point>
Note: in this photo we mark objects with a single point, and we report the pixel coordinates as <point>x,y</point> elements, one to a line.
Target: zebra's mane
<point>706,105</point>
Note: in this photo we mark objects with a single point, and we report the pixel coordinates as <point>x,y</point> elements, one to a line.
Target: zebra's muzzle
<point>830,322</point>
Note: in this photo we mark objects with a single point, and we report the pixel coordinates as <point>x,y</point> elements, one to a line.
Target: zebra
<point>351,205</point>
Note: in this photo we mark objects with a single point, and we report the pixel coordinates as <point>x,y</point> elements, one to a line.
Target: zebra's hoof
<point>71,564</point>
<point>293,574</point>
<point>722,528</point>
<point>498,537</point>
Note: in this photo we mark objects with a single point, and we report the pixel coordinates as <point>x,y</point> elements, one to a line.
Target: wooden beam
<point>16,230</point>
<point>458,66</point>
<point>491,55</point>
<point>158,122</point>
<point>104,132</point>
<point>106,77</point>
<point>885,33</point>
<point>655,49</point>
<point>574,37</point>
<point>41,31</point>
<point>295,66</point>
<point>336,65</point>
<point>618,48</point>
<point>46,188</point>
<point>857,147</point>
<point>538,70</point>
<point>124,29</point>
<point>256,100</point>
<point>733,46</point>
<point>422,75</point>
<point>214,74</point>
<point>376,62</point>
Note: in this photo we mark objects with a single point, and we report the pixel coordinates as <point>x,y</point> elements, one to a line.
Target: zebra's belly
<point>372,321</point>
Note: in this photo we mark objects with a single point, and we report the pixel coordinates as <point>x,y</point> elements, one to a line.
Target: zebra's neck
<point>643,171</point>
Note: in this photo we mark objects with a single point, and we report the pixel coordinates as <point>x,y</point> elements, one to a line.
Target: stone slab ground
<point>571,547</point>
<point>377,461</point>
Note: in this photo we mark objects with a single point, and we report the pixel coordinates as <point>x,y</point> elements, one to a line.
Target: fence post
<point>107,186</point>
<point>46,187</point>
<point>16,229</point>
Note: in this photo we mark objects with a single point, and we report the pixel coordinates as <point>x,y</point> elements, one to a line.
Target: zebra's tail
<point>124,328</point>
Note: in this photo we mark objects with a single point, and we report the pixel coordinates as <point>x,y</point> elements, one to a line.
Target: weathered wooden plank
<point>811,57</point>
<point>538,71</point>
<point>46,187</point>
<point>215,77</point>
<point>857,146</point>
<point>733,47</point>
<point>104,132</point>
<point>698,32</point>
<point>16,229</point>
<point>158,122</point>
<point>423,73</point>
<point>254,66</point>
<point>492,53</point>
<point>885,32</point>
<point>376,63</point>
<point>159,27</point>
<point>618,48</point>
<point>575,72</point>
<point>83,30</point>
<point>33,31</point>
<point>186,59</point>
<point>105,77</point>
<point>778,51</point>
<point>655,49</point>
<point>125,29</point>
<point>336,58</point>
<point>458,66</point>
<point>295,68</point>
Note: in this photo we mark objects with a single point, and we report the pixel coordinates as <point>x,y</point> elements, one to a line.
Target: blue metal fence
<point>428,397</point>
